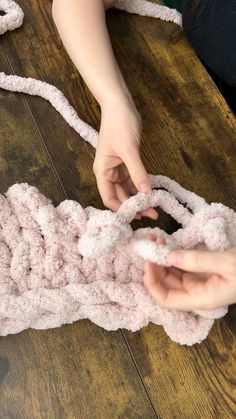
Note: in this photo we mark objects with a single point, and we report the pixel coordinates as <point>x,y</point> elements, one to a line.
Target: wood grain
<point>22,154</point>
<point>75,371</point>
<point>80,370</point>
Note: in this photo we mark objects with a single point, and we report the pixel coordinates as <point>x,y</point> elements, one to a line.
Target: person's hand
<point>118,167</point>
<point>198,280</point>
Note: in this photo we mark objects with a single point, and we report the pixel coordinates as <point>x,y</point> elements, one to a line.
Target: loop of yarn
<point>13,17</point>
<point>61,264</point>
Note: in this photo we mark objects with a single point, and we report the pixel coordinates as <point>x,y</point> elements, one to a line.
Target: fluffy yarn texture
<point>59,265</point>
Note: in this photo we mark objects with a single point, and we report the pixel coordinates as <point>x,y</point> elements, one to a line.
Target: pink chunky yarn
<point>59,265</point>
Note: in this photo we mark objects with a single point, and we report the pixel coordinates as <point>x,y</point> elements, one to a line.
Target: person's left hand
<point>119,170</point>
<point>198,280</point>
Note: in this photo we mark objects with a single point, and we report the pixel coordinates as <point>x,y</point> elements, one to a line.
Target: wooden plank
<point>72,157</point>
<point>189,131</point>
<point>189,134</point>
<point>189,382</point>
<point>77,370</point>
<point>22,155</point>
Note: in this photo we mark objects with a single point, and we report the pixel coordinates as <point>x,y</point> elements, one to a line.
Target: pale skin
<point>199,280</point>
<point>118,167</point>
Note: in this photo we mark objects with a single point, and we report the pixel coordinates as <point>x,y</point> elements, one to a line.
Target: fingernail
<point>176,258</point>
<point>151,236</point>
<point>160,240</point>
<point>145,187</point>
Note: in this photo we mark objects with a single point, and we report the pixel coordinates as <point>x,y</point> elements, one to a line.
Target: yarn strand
<point>65,263</point>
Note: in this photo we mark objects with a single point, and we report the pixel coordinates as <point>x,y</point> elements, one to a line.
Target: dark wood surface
<point>80,371</point>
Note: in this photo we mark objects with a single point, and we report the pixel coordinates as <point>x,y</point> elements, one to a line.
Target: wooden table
<point>80,371</point>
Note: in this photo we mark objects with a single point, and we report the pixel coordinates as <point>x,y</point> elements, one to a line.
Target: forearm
<point>82,27</point>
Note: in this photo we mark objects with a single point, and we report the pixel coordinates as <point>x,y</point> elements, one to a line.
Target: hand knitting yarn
<point>65,263</point>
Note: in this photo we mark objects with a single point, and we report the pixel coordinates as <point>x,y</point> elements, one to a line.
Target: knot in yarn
<point>102,232</point>
<point>44,279</point>
<point>216,227</point>
<point>215,234</point>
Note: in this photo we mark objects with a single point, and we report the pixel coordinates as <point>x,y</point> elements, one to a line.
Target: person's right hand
<point>197,279</point>
<point>118,167</point>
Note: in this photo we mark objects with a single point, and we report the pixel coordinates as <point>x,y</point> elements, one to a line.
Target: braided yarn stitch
<point>66,263</point>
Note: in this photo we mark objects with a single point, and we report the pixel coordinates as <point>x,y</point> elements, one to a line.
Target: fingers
<point>153,271</point>
<point>128,183</point>
<point>113,194</point>
<point>123,195</point>
<point>121,192</point>
<point>133,190</point>
<point>118,181</point>
<point>124,191</point>
<point>153,280</point>
<point>158,240</point>
<point>222,263</point>
<point>167,289</point>
<point>165,285</point>
<point>150,213</point>
<point>171,278</point>
<point>137,171</point>
<point>175,289</point>
<point>139,178</point>
<point>190,293</point>
<point>108,193</point>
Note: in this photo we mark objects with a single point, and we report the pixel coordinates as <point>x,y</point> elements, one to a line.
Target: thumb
<point>202,261</point>
<point>137,171</point>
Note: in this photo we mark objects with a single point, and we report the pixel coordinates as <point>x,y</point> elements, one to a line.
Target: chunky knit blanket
<point>59,265</point>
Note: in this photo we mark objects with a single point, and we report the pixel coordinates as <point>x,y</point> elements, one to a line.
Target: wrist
<point>114,98</point>
<point>116,94</point>
<point>113,91</point>
<point>120,103</point>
